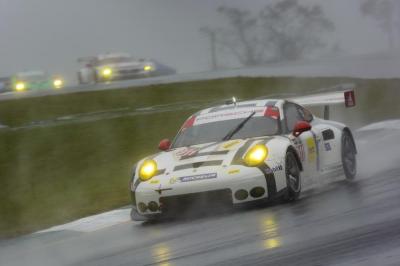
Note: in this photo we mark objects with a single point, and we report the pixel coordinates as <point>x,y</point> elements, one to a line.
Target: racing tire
<point>349,152</point>
<point>293,177</point>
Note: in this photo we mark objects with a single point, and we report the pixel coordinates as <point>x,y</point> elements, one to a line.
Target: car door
<point>330,146</point>
<point>307,144</point>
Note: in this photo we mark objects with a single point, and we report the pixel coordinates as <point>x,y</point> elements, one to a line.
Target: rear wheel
<point>293,180</point>
<point>349,161</point>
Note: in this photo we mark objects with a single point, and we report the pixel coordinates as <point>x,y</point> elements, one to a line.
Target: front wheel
<point>293,179</point>
<point>349,161</point>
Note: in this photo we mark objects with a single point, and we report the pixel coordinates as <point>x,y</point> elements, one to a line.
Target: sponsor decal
<point>233,171</point>
<point>219,109</point>
<point>312,151</point>
<point>317,143</point>
<point>277,168</point>
<point>328,146</point>
<point>273,169</point>
<point>234,114</point>
<point>198,177</point>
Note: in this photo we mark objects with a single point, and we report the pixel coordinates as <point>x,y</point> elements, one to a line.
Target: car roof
<point>234,111</point>
<point>113,55</point>
<point>245,105</point>
<point>32,73</point>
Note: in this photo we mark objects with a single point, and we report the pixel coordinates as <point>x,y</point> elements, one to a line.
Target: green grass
<point>51,175</point>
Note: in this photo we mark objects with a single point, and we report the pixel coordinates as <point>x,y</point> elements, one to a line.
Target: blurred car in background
<point>118,66</point>
<point>5,84</point>
<point>245,152</point>
<point>35,80</point>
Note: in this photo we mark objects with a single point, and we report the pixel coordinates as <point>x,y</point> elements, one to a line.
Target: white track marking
<point>388,124</point>
<point>95,222</point>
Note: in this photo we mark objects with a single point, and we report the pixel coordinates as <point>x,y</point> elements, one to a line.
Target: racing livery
<point>242,152</point>
<point>118,66</point>
<point>35,80</point>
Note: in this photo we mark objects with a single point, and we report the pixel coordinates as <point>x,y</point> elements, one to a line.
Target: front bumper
<point>232,185</point>
<point>171,205</point>
<point>125,74</point>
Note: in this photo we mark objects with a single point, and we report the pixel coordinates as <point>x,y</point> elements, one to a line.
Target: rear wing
<point>87,60</point>
<point>340,94</point>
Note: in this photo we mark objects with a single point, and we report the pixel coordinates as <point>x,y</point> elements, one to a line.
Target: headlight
<point>20,86</point>
<point>106,72</point>
<point>256,155</point>
<point>147,170</point>
<point>148,68</point>
<point>58,83</point>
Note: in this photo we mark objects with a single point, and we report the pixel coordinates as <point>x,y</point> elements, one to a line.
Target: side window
<point>305,114</point>
<point>292,115</point>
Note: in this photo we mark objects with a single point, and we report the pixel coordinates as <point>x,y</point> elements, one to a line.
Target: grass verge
<point>54,174</point>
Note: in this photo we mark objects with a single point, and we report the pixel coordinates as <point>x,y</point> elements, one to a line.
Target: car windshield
<point>216,131</point>
<point>113,60</point>
<point>31,76</point>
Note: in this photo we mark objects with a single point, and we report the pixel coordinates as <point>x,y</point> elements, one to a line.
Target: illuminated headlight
<point>256,155</point>
<point>20,86</point>
<point>58,83</point>
<point>147,170</point>
<point>148,68</point>
<point>106,72</point>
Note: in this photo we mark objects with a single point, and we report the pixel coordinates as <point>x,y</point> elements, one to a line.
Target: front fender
<point>278,149</point>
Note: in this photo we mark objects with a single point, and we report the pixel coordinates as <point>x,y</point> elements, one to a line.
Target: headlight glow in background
<point>58,83</point>
<point>20,86</point>
<point>106,72</point>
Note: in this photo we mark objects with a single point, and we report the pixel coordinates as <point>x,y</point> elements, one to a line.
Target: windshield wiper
<point>238,127</point>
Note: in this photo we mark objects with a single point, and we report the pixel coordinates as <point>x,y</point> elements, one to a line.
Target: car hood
<point>209,154</point>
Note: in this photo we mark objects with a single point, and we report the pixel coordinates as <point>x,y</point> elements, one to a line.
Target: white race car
<point>242,152</point>
<point>118,66</point>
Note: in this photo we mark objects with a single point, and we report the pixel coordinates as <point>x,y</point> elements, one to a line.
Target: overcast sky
<point>51,34</point>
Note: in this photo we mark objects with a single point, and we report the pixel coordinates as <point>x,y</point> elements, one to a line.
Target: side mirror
<point>300,127</point>
<point>164,145</point>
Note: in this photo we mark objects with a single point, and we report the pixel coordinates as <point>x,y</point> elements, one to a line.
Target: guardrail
<point>354,66</point>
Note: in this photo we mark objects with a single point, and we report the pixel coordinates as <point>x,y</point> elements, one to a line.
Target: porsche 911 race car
<point>35,80</point>
<point>242,152</point>
<point>118,66</point>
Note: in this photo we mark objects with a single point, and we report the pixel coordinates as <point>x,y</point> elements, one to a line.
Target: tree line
<point>288,30</point>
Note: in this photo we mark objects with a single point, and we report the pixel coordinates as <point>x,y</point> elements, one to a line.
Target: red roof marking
<point>272,111</point>
<point>189,122</point>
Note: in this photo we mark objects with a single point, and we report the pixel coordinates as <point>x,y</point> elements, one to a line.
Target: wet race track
<point>335,223</point>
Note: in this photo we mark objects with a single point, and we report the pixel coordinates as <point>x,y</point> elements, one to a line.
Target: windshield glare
<point>215,131</point>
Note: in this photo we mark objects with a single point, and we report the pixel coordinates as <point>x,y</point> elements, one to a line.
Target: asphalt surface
<point>335,223</point>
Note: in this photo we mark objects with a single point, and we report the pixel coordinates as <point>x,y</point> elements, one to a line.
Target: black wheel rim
<point>292,174</point>
<point>349,156</point>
